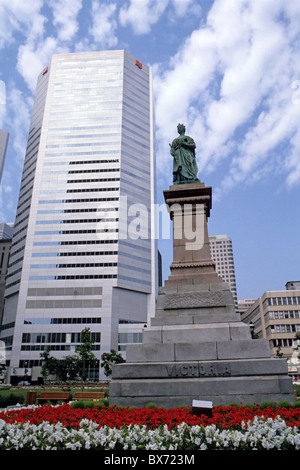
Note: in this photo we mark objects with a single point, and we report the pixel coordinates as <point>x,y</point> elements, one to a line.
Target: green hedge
<point>11,399</point>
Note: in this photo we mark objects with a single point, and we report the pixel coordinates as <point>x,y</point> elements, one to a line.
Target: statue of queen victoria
<point>184,158</point>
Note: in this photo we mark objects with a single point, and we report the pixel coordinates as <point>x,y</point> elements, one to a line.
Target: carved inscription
<point>198,370</point>
<point>183,370</point>
<point>193,300</point>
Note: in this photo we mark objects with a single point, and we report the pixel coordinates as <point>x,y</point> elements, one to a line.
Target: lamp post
<point>25,370</point>
<point>251,324</point>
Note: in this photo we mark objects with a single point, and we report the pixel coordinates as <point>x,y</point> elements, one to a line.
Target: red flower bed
<point>223,416</point>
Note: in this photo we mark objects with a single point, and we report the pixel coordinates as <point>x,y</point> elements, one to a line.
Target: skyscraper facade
<point>84,251</point>
<point>3,147</point>
<point>6,233</point>
<point>222,253</point>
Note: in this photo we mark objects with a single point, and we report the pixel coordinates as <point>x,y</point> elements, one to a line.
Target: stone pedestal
<point>196,346</point>
<point>189,207</point>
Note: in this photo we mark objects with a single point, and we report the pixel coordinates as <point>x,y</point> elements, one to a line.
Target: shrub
<point>11,399</point>
<point>253,406</point>
<point>267,404</point>
<point>83,404</point>
<point>151,405</point>
<point>284,404</point>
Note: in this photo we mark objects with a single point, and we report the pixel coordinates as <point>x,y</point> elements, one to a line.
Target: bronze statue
<point>184,164</point>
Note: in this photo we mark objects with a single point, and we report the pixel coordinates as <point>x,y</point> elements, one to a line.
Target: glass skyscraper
<point>84,250</point>
<point>3,147</point>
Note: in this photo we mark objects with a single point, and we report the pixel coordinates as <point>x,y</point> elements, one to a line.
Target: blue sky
<point>229,70</point>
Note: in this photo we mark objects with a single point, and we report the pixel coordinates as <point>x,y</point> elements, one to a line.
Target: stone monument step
<point>172,392</point>
<point>192,369</point>
<point>197,333</point>
<point>205,351</point>
<point>194,316</point>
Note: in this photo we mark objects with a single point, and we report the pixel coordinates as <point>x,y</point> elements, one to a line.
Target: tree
<point>70,366</point>
<point>86,357</point>
<point>297,343</point>
<point>2,369</point>
<point>67,368</point>
<point>278,352</point>
<point>2,358</point>
<point>49,363</point>
<point>109,359</point>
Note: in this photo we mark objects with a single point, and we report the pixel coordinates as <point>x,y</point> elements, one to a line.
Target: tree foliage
<point>70,366</point>
<point>85,356</point>
<point>109,359</point>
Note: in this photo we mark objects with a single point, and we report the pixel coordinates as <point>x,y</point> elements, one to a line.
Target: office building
<point>292,285</point>
<point>276,316</point>
<point>3,147</point>
<point>6,233</point>
<point>222,254</point>
<point>244,304</point>
<point>84,251</point>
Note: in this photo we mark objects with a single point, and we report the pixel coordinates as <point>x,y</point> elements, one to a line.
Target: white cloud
<point>104,24</point>
<point>293,161</point>
<point>183,7</point>
<point>7,195</point>
<point>65,13</point>
<point>33,57</point>
<point>84,45</point>
<point>17,15</point>
<point>26,19</point>
<point>142,14</point>
<point>2,102</point>
<point>230,83</point>
<point>182,85</point>
<point>2,92</point>
<point>18,120</point>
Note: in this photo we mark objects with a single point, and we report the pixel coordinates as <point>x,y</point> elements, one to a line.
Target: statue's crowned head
<point>181,128</point>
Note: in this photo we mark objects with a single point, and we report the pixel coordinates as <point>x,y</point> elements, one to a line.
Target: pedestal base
<point>198,349</point>
<point>189,207</point>
<point>172,393</point>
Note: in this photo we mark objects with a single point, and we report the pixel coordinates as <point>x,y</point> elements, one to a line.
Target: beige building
<point>276,316</point>
<point>293,285</point>
<point>244,304</point>
<point>222,254</point>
